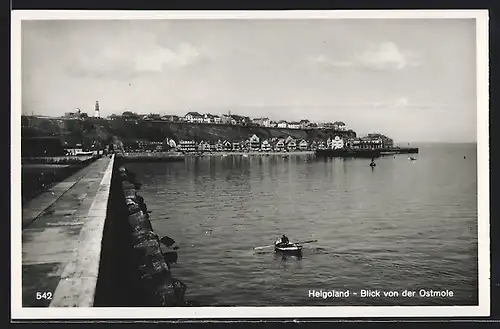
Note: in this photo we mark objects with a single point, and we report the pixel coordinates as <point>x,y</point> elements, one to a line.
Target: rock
<point>139,220</point>
<point>168,241</point>
<point>170,257</point>
<point>130,193</point>
<point>152,270</point>
<point>142,235</point>
<point>127,185</point>
<point>180,290</point>
<point>170,292</point>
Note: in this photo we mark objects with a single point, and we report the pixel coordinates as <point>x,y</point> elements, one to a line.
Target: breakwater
<point>88,242</point>
<point>137,259</point>
<point>60,160</point>
<point>62,235</point>
<point>41,173</point>
<point>150,156</point>
<point>364,153</point>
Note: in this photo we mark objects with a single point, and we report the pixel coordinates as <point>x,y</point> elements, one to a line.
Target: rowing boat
<point>288,248</point>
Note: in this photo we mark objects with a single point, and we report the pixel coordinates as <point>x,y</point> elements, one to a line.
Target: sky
<point>411,79</point>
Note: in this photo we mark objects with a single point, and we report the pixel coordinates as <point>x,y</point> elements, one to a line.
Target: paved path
<point>61,238</point>
<point>41,203</point>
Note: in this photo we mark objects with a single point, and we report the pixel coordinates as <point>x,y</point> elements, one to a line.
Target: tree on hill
<point>130,115</point>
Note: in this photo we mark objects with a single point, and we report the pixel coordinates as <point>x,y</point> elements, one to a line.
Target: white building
<point>264,122</point>
<point>228,146</point>
<point>187,145</point>
<point>204,146</point>
<point>279,146</point>
<point>337,143</point>
<point>291,145</point>
<point>303,145</point>
<point>339,125</point>
<point>265,146</point>
<point>254,143</point>
<point>282,124</point>
<point>193,117</point>
<point>96,110</point>
<point>207,118</point>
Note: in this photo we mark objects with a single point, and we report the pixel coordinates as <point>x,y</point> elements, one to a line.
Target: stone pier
<point>88,242</point>
<point>62,236</point>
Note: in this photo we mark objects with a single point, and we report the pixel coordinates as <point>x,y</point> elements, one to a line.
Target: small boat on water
<point>412,158</point>
<point>285,247</point>
<point>288,248</point>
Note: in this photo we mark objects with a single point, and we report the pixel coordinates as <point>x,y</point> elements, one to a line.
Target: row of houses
<point>233,119</point>
<point>256,144</point>
<point>195,117</point>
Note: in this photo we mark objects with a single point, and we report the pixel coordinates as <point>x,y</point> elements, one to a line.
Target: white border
<point>18,312</point>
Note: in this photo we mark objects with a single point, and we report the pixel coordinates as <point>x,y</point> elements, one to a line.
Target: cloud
<point>327,61</point>
<point>385,55</point>
<point>381,56</point>
<point>126,62</point>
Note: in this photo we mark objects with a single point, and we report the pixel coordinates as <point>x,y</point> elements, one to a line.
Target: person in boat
<point>283,240</point>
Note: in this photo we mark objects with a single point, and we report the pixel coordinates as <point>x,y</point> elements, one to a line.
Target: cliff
<point>94,130</point>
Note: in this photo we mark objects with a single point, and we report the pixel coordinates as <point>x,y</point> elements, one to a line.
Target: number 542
<point>43,295</point>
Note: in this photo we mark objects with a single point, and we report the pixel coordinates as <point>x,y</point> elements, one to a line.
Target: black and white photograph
<point>250,164</point>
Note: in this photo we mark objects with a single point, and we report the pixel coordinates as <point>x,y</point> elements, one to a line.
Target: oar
<point>272,245</point>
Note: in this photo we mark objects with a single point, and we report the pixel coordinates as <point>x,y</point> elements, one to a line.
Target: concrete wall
<point>77,285</point>
<point>135,264</point>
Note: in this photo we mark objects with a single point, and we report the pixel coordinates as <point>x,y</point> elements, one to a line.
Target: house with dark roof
<point>193,117</point>
<point>282,124</point>
<point>386,141</point>
<point>240,120</point>
<point>339,125</point>
<point>254,143</point>
<point>304,123</point>
<point>210,118</point>
<point>228,146</point>
<point>263,122</point>
<point>291,145</point>
<point>279,146</point>
<point>265,146</point>
<point>204,146</point>
<point>303,145</point>
<point>170,118</point>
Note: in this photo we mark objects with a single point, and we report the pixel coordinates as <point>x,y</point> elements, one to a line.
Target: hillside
<point>104,131</point>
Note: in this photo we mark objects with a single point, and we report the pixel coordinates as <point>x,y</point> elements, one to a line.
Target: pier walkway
<point>62,236</point>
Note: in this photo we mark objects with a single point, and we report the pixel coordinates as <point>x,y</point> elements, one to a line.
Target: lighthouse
<point>96,110</point>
